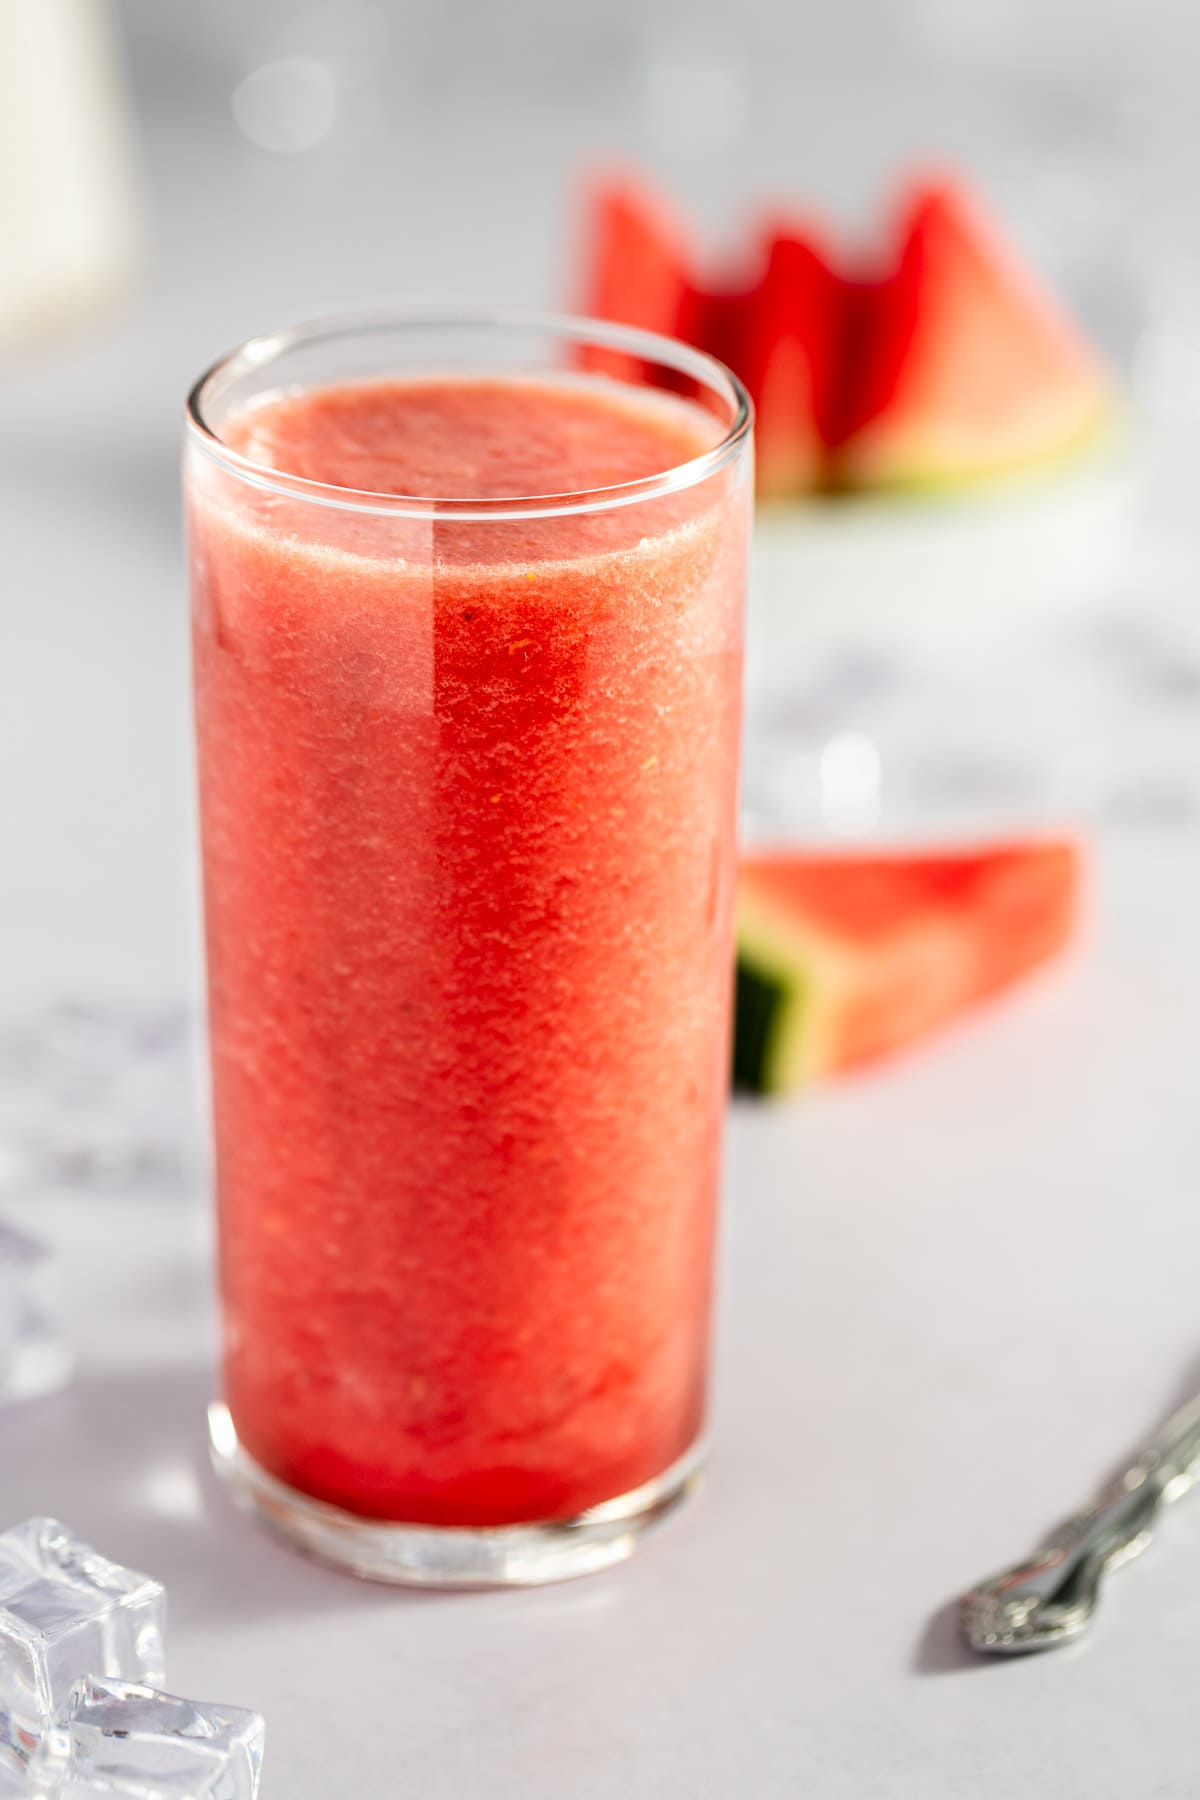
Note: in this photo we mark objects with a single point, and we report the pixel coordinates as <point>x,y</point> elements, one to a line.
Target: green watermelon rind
<point>775,1005</point>
<point>919,475</point>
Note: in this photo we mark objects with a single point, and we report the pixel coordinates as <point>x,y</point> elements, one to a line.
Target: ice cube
<point>33,1357</point>
<point>119,1740</point>
<point>66,1612</point>
<point>100,1099</point>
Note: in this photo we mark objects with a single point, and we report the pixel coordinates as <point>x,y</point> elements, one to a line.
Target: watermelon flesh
<point>639,270</point>
<point>844,959</point>
<point>957,364</point>
<point>950,365</point>
<point>779,334</point>
<point>777,330</point>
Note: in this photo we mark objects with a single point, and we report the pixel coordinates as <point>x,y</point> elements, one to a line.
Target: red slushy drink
<point>468,799</point>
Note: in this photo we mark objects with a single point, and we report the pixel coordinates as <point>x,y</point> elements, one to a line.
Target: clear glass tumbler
<point>468,770</point>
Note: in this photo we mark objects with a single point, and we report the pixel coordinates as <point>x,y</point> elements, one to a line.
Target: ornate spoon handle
<point>1052,1596</point>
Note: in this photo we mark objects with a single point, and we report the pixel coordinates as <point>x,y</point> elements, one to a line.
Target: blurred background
<point>177,178</point>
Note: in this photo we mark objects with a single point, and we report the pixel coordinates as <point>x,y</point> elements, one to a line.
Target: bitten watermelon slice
<point>958,364</point>
<point>842,959</point>
<point>779,334</point>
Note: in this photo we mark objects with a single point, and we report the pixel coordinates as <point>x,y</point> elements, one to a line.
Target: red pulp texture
<point>467,799</point>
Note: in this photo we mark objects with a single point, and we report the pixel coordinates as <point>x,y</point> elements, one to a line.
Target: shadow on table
<point>940,1649</point>
<point>123,1461</point>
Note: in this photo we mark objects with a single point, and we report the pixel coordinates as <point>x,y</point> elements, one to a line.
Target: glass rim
<point>260,351</point>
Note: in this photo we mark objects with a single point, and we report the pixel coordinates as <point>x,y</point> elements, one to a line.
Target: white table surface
<point>951,1295</point>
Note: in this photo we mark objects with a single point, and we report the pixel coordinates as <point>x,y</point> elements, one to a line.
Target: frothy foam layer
<point>474,439</point>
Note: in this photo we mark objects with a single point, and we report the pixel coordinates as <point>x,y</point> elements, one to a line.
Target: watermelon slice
<point>958,365</point>
<point>780,335</point>
<point>951,366</point>
<point>777,331</point>
<point>842,959</point>
<point>639,270</point>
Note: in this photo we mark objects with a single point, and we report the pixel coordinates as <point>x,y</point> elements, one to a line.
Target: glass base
<point>450,1556</point>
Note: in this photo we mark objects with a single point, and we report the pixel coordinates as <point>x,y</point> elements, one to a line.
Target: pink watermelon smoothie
<point>468,794</point>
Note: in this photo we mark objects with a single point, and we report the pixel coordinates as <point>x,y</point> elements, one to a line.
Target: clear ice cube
<point>33,1357</point>
<point>67,1612</point>
<point>100,1099</point>
<point>115,1740</point>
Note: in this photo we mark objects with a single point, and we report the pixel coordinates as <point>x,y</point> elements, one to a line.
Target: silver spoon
<point>1052,1597</point>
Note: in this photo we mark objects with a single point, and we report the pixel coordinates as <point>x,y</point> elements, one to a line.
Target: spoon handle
<point>1052,1596</point>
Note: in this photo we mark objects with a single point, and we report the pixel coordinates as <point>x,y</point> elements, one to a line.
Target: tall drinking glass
<point>468,600</point>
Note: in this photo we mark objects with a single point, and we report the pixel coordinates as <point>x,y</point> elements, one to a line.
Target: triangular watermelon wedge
<point>639,269</point>
<point>779,334</point>
<point>843,959</point>
<point>777,330</point>
<point>958,364</point>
